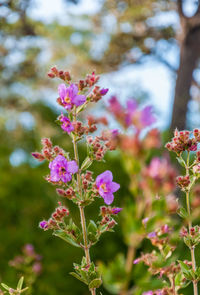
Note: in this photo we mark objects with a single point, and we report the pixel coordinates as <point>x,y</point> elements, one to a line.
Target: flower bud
<point>38,156</point>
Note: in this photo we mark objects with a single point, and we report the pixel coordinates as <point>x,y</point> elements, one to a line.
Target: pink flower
<point>69,96</point>
<point>43,224</point>
<point>147,117</point>
<point>66,124</point>
<point>104,91</point>
<point>114,106</point>
<point>139,118</point>
<point>106,186</point>
<point>152,235</point>
<point>131,111</point>
<point>61,169</point>
<point>116,210</point>
<point>136,261</point>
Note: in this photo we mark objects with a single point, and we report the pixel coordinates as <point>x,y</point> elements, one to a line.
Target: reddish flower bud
<point>51,75</point>
<point>55,70</point>
<point>46,142</point>
<point>38,156</point>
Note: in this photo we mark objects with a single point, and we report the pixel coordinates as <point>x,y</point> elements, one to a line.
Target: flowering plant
<point>179,273</point>
<point>28,264</point>
<point>147,204</point>
<point>73,180</point>
<point>185,145</point>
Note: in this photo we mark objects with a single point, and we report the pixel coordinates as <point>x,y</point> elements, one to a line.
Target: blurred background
<point>147,49</point>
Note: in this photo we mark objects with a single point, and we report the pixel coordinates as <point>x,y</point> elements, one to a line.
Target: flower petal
<point>62,90</point>
<point>54,176</point>
<point>73,88</point>
<point>72,167</point>
<point>108,198</point>
<point>114,186</point>
<point>147,118</point>
<point>104,177</point>
<point>66,177</point>
<point>131,105</point>
<point>78,100</point>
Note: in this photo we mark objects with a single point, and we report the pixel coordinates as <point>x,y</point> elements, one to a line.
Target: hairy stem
<point>81,209</point>
<point>190,225</point>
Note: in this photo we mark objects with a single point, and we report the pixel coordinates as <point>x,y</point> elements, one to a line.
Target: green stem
<point>81,209</point>
<point>128,266</point>
<point>190,225</point>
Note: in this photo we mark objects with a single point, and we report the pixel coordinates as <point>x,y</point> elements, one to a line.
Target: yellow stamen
<point>67,99</point>
<point>103,186</point>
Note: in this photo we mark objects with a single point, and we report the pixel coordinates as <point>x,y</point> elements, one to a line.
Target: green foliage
<point>87,274</point>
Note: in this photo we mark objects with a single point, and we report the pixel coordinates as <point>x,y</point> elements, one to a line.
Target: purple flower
<point>104,91</point>
<point>139,118</point>
<point>37,267</point>
<point>148,293</point>
<point>131,109</point>
<point>43,224</point>
<point>69,96</point>
<point>145,220</point>
<point>106,186</point>
<point>66,124</point>
<point>147,117</point>
<point>152,235</point>
<point>165,229</point>
<point>136,261</point>
<point>114,132</point>
<point>61,169</point>
<point>116,210</point>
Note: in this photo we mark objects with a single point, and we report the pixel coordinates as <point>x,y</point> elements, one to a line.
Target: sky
<point>153,77</point>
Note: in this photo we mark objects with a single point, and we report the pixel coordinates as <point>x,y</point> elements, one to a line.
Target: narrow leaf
<point>20,283</point>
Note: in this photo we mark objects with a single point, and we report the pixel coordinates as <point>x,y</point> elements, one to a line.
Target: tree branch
<point>180,8</point>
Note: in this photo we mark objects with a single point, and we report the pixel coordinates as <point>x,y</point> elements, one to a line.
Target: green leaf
<point>81,108</point>
<point>58,122</point>
<point>96,283</point>
<point>5,286</point>
<point>92,227</point>
<point>20,283</point>
<point>183,213</point>
<point>66,237</point>
<point>167,251</point>
<point>178,279</point>
<point>23,290</point>
<point>78,277</point>
<point>181,161</point>
<point>86,163</point>
<point>184,266</point>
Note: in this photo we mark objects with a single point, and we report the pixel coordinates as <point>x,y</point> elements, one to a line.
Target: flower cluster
<point>49,152</point>
<point>99,145</point>
<point>182,141</point>
<point>29,259</point>
<point>191,237</point>
<point>56,220</point>
<point>29,265</point>
<point>183,181</point>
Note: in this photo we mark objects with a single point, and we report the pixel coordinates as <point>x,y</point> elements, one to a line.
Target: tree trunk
<point>188,60</point>
<point>189,55</point>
